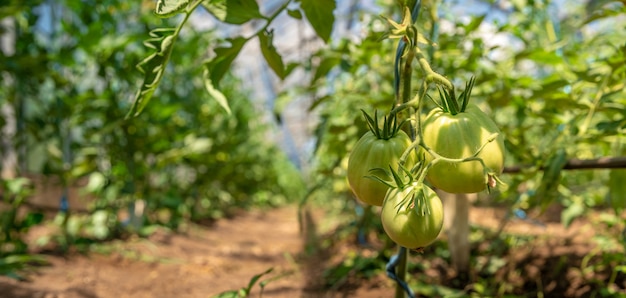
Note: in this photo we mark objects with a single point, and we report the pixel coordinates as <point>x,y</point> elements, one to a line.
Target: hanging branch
<point>579,164</point>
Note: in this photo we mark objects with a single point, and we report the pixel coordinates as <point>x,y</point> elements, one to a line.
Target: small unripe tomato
<point>409,225</point>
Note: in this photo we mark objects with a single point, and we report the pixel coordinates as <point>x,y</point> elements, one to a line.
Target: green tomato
<point>460,136</point>
<point>372,152</point>
<point>412,226</point>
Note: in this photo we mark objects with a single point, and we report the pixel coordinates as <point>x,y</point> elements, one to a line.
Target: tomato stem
<point>464,159</point>
<point>430,75</point>
<point>406,77</point>
<point>413,103</point>
<point>405,92</point>
<point>474,157</point>
<point>414,145</point>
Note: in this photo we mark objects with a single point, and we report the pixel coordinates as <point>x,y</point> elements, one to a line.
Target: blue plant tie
<point>391,272</point>
<point>416,10</point>
<point>359,210</point>
<point>396,68</point>
<point>360,235</point>
<point>64,205</point>
<point>521,214</point>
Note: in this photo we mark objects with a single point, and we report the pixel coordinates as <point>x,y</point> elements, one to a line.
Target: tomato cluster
<point>461,150</point>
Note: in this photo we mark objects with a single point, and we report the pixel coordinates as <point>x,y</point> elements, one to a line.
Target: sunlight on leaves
<point>168,8</point>
<point>216,94</point>
<point>233,11</point>
<point>162,41</point>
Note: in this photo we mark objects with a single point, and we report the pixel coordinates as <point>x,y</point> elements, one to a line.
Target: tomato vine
<point>482,134</point>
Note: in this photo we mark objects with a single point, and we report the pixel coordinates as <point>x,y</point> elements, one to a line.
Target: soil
<point>207,260</point>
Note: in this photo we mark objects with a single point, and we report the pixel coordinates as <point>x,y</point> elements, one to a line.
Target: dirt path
<point>203,263</point>
<point>206,261</point>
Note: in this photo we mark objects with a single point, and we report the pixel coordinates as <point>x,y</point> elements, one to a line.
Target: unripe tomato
<point>372,152</point>
<point>412,226</point>
<point>460,136</point>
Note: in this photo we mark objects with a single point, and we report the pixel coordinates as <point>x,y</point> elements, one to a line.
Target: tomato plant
<point>459,133</point>
<point>550,86</point>
<point>412,216</point>
<point>376,149</point>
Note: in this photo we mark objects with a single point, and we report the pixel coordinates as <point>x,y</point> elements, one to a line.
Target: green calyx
<point>449,104</point>
<point>402,29</point>
<point>390,126</point>
<point>406,30</point>
<point>414,191</point>
<point>400,179</point>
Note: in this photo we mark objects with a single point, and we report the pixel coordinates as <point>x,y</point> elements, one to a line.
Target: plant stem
<point>593,107</point>
<point>406,77</point>
<point>271,18</point>
<point>405,84</point>
<point>430,75</point>
<point>188,12</point>
<point>402,269</point>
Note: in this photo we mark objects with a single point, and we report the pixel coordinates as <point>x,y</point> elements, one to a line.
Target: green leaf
<point>474,24</point>
<point>318,101</point>
<point>256,278</point>
<point>233,11</point>
<point>545,57</point>
<point>320,15</point>
<point>272,57</point>
<point>599,9</point>
<point>573,211</point>
<point>31,219</point>
<point>295,13</point>
<point>153,67</point>
<point>216,94</point>
<point>548,189</point>
<point>228,294</point>
<point>16,186</point>
<point>324,67</point>
<point>168,8</point>
<point>223,59</point>
<point>97,181</point>
<point>290,67</point>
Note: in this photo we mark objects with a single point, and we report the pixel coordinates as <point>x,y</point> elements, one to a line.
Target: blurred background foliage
<point>68,83</point>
